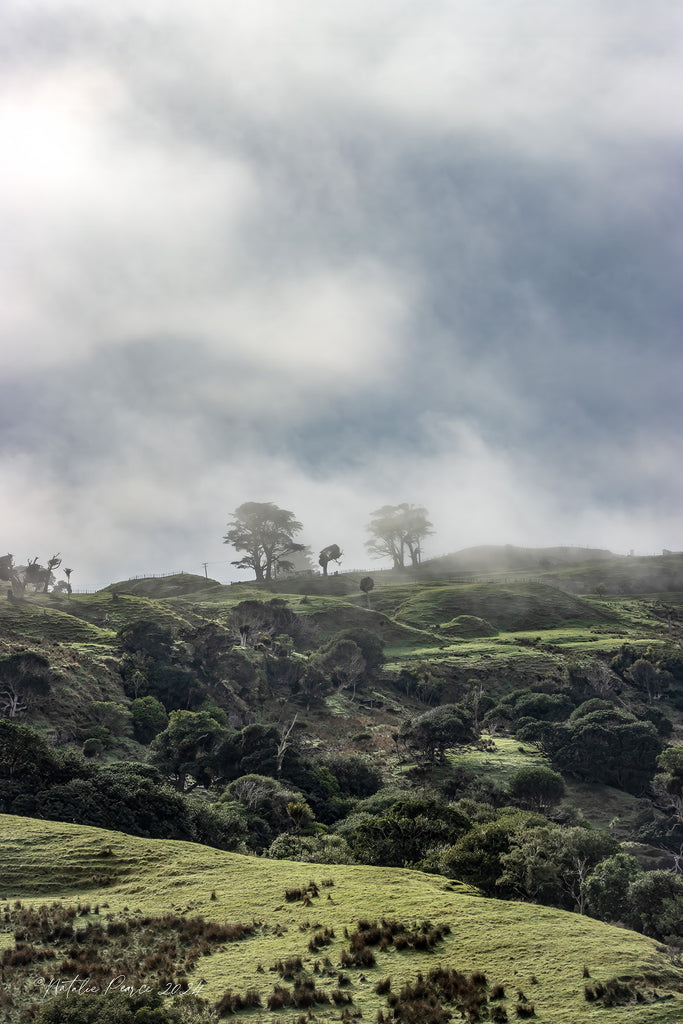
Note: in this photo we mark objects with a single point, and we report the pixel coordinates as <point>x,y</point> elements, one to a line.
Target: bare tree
<point>285,743</point>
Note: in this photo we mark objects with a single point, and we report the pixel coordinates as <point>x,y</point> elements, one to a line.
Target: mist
<point>337,258</point>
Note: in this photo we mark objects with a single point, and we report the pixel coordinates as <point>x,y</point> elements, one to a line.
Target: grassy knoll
<point>38,619</point>
<point>512,942</point>
<point>511,607</point>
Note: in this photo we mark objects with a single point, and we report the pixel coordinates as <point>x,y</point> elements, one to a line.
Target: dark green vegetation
<point>496,730</point>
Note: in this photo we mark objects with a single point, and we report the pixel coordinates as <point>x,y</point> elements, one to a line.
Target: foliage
<point>331,553</point>
<point>476,857</point>
<point>549,864</point>
<point>110,715</point>
<point>600,743</point>
<point>149,637</point>
<point>186,748</point>
<point>342,661</point>
<point>406,833</point>
<point>25,676</point>
<point>537,788</point>
<point>430,734</point>
<point>117,1008</point>
<point>266,533</point>
<point>607,886</point>
<point>655,905</point>
<point>149,717</point>
<point>324,849</point>
<point>397,530</point>
<point>354,774</point>
<point>271,806</point>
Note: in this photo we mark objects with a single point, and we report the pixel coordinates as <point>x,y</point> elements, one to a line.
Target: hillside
<point>540,951</point>
<point>576,570</point>
<point>500,733</point>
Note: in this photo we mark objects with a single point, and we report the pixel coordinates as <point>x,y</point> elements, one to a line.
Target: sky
<point>336,256</point>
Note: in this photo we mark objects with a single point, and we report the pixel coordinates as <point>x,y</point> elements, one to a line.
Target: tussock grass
<point>506,941</point>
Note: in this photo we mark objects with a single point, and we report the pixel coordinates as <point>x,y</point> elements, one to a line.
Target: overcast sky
<point>338,255</point>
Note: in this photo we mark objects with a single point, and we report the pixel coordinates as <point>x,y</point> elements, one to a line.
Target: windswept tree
<point>397,532</point>
<point>53,562</point>
<point>265,533</point>
<point>332,553</point>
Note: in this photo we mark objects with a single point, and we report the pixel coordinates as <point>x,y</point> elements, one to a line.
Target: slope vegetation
<point>538,950</point>
<point>513,607</point>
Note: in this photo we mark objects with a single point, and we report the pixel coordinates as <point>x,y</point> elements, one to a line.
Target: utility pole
<point>205,571</point>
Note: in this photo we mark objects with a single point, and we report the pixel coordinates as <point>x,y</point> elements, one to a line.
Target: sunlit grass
<point>511,942</point>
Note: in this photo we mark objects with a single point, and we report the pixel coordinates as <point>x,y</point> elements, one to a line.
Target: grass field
<point>512,943</point>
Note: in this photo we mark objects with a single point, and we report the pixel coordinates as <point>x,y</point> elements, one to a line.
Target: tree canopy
<point>265,533</point>
<point>331,553</point>
<point>397,531</point>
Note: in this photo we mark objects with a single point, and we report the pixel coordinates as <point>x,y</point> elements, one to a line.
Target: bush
<point>93,748</point>
<point>537,788</point>
<point>356,775</point>
<point>149,717</point>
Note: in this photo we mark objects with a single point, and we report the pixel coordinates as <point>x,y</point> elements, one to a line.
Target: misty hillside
<point>513,744</point>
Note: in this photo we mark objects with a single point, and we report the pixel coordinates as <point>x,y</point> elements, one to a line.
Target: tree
<point>67,573</point>
<point>549,864</point>
<point>33,572</point>
<point>266,533</point>
<point>53,563</point>
<point>185,748</point>
<point>284,743</point>
<point>332,553</point>
<point>432,733</point>
<point>23,677</point>
<point>600,743</point>
<point>645,676</point>
<point>343,662</point>
<point>406,832</point>
<point>607,887</point>
<point>366,585</point>
<point>655,900</point>
<point>668,783</point>
<point>10,573</point>
<point>397,530</point>
<point>537,788</point>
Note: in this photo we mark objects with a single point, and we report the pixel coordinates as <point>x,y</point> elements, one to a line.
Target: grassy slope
<point>512,607</point>
<point>539,628</point>
<point>511,942</point>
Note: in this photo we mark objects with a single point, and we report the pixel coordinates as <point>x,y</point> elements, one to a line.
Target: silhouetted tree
<point>366,585</point>
<point>266,533</point>
<point>332,553</point>
<point>397,530</point>
<point>53,563</point>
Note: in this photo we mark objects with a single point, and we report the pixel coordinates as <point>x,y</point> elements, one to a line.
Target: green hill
<point>542,952</point>
<point>513,607</point>
<point>508,558</point>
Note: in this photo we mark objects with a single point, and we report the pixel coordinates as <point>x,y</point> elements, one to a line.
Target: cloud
<point>337,256</point>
